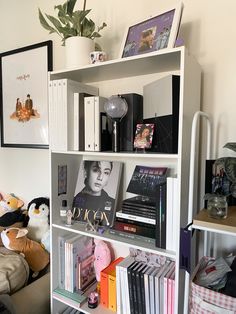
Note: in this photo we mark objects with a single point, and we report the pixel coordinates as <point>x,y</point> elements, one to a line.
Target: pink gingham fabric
<point>206,301</point>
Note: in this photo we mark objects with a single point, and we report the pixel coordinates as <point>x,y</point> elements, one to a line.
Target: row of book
<point>151,219</point>
<point>76,262</point>
<point>78,121</point>
<point>131,286</point>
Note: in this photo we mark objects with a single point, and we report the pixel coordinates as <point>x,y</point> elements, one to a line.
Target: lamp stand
<point>116,135</point>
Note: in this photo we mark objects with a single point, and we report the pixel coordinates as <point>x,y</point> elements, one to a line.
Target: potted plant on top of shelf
<point>76,30</point>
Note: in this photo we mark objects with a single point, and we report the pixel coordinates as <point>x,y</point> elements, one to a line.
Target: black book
<point>142,212</point>
<point>161,217</point>
<point>141,202</point>
<point>165,135</point>
<point>131,228</point>
<point>128,123</point>
<point>134,286</point>
<point>141,281</point>
<point>138,289</point>
<point>145,180</point>
<point>135,223</point>
<point>131,293</point>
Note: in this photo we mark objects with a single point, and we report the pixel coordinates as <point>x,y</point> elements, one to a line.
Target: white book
<point>161,286</point>
<point>169,213</point>
<point>175,213</point>
<point>122,292</point>
<point>146,288</point>
<point>93,106</point>
<point>166,295</point>
<point>89,123</point>
<point>157,287</point>
<point>152,290</point>
<point>150,221</point>
<point>61,267</point>
<point>61,109</point>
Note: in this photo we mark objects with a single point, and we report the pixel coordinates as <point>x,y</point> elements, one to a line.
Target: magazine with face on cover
<point>96,191</point>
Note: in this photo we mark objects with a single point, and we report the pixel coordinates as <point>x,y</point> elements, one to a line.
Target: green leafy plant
<point>70,22</point>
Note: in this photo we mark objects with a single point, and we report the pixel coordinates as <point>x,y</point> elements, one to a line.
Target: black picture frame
<point>24,96</point>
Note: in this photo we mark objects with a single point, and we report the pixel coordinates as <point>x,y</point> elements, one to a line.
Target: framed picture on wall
<point>153,34</point>
<point>24,96</point>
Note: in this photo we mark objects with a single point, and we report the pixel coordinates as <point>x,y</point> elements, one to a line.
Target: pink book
<point>172,293</point>
<point>169,283</point>
<point>166,290</point>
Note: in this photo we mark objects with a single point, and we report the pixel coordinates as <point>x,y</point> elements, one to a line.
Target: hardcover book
<point>161,107</point>
<point>130,120</point>
<point>145,180</point>
<point>96,192</point>
<point>161,216</point>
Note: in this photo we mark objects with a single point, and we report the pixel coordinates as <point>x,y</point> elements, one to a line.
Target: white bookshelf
<point>122,76</point>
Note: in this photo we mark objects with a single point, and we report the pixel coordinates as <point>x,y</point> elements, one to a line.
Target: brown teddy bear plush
<point>36,256</point>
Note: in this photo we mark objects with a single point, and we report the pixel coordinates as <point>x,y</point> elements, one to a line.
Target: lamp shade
<point>116,107</point>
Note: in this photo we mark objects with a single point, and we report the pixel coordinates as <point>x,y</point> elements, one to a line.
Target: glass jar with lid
<point>217,206</point>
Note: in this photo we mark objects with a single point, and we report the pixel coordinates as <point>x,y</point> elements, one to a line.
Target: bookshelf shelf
<point>122,76</point>
<point>222,226</point>
<point>147,155</point>
<point>158,61</point>
<point>106,236</point>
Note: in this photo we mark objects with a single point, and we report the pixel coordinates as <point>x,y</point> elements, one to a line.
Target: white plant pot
<point>78,51</point>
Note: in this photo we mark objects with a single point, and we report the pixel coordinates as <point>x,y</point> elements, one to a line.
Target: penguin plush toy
<point>38,212</point>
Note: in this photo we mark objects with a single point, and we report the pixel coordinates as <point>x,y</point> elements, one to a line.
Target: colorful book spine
<point>104,292</point>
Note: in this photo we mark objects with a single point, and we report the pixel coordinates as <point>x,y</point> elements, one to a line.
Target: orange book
<point>112,290</point>
<point>104,291</point>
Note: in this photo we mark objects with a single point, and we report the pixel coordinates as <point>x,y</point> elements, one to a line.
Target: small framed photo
<point>24,96</point>
<point>143,135</point>
<point>153,34</point>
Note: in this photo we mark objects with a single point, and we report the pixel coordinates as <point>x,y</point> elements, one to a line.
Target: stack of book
<point>137,216</point>
<point>143,288</point>
<point>145,215</point>
<point>76,262</point>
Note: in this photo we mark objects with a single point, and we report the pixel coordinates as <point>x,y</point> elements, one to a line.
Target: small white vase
<point>78,51</point>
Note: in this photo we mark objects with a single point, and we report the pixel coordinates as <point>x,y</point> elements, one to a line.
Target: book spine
<point>131,295</point>
<point>104,289</point>
<point>98,108</point>
<point>63,113</point>
<point>61,244</point>
<point>89,123</point>
<point>120,214</point>
<point>169,213</point>
<point>136,223</point>
<point>143,300</point>
<point>76,125</point>
<point>134,229</point>
<point>139,212</point>
<point>161,217</point>
<point>112,291</point>
<point>118,290</point>
<point>147,295</point>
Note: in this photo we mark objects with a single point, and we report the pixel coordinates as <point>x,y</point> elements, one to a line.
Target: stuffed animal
<point>102,257</point>
<point>38,211</point>
<point>9,203</point>
<point>45,242</point>
<point>15,239</point>
<point>11,212</point>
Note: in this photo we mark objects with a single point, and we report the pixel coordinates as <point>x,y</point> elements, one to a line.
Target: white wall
<point>208,29</point>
